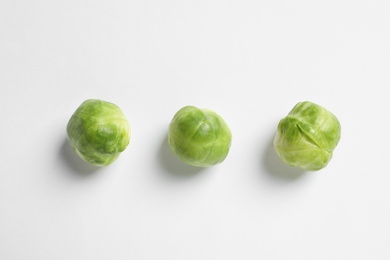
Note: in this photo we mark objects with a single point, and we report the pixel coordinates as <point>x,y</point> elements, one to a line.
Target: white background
<point>251,62</point>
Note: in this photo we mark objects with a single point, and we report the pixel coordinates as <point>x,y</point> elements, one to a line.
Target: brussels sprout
<point>199,137</point>
<point>307,136</point>
<point>98,132</point>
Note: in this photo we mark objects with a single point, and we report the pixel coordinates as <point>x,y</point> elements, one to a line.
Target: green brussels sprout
<point>98,132</point>
<point>199,137</point>
<point>307,136</point>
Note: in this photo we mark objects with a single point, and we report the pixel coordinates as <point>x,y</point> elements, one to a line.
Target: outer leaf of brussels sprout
<point>98,132</point>
<point>199,137</point>
<point>307,136</point>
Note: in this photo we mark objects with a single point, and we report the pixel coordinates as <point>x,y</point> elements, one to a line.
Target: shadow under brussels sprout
<point>276,167</point>
<point>173,166</point>
<point>74,162</point>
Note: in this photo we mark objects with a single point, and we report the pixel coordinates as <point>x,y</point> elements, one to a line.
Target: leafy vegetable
<point>199,137</point>
<point>307,136</point>
<point>98,132</point>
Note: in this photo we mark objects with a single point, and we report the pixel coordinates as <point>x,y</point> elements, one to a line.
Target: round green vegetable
<point>307,136</point>
<point>98,132</point>
<point>199,137</point>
